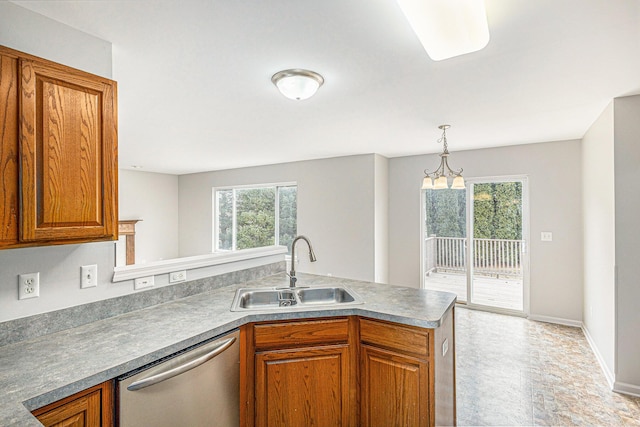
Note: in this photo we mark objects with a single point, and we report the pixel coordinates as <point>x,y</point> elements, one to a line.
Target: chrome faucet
<point>312,258</point>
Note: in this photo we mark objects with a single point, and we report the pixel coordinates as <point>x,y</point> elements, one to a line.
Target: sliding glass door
<point>445,241</point>
<point>474,242</point>
<point>496,276</point>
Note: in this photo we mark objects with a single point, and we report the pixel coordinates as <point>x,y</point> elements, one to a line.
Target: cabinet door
<point>8,150</point>
<point>90,408</point>
<point>68,154</point>
<point>303,387</point>
<point>394,389</point>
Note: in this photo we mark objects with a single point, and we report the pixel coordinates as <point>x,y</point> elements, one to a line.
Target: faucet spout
<point>312,258</point>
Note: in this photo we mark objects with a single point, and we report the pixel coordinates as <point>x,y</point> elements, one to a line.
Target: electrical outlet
<point>29,285</point>
<point>143,282</point>
<point>178,276</point>
<point>88,276</point>
<point>546,236</point>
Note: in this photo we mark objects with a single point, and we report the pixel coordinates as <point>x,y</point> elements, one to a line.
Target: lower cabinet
<point>89,408</point>
<point>395,389</point>
<point>298,387</point>
<point>300,373</point>
<point>350,371</point>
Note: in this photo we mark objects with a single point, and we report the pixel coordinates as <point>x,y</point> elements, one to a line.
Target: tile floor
<point>515,372</point>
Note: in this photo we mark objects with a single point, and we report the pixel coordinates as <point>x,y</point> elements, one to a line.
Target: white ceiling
<point>195,92</point>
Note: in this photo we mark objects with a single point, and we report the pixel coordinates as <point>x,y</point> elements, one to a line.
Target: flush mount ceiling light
<point>438,179</point>
<point>297,84</point>
<point>448,28</point>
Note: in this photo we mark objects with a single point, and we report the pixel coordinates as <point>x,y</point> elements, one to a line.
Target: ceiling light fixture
<point>297,84</point>
<point>438,179</point>
<point>448,28</point>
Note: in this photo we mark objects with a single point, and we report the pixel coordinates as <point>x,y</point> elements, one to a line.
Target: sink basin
<point>278,299</point>
<point>258,299</point>
<point>325,296</point>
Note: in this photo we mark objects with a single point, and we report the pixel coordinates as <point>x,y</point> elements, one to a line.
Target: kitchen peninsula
<point>42,370</point>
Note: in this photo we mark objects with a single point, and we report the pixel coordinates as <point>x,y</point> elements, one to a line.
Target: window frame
<point>234,188</point>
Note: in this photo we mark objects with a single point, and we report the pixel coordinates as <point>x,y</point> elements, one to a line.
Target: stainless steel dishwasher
<point>197,388</point>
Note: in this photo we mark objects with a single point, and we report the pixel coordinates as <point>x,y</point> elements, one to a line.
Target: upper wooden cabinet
<point>59,153</point>
<point>9,210</point>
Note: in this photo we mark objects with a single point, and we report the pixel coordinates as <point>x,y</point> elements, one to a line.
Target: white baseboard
<point>605,369</point>
<point>556,320</point>
<point>625,388</point>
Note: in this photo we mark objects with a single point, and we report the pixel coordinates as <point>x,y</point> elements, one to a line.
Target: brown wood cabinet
<point>350,371</point>
<point>395,384</point>
<point>89,408</point>
<point>58,160</point>
<point>9,209</point>
<point>299,373</point>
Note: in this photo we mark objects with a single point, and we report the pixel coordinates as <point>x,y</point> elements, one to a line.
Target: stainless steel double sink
<point>298,297</point>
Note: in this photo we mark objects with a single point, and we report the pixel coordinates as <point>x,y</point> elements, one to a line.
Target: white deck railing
<point>493,257</point>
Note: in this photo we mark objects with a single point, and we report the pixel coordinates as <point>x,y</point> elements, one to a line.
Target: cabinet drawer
<point>293,334</point>
<point>405,339</point>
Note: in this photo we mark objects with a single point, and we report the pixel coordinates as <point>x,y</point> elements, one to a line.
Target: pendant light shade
<point>458,183</point>
<point>440,183</point>
<point>297,84</point>
<point>427,183</point>
<point>438,179</point>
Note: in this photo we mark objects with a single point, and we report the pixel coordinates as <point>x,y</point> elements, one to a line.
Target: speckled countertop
<point>42,370</point>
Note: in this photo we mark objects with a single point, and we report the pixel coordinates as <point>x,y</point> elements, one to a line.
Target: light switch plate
<point>546,236</point>
<point>88,276</point>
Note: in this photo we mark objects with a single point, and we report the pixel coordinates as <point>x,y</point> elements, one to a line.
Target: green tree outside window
<point>256,217</point>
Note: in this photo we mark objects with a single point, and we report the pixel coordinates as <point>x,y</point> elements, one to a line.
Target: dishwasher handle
<point>218,347</point>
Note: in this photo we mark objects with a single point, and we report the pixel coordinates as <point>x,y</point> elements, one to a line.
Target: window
<point>253,217</point>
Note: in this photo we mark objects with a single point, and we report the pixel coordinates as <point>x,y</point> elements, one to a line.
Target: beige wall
<point>553,170</point>
<point>381,237</point>
<point>336,210</point>
<point>611,157</point>
<point>627,232</point>
<point>598,207</point>
<point>38,35</point>
<point>152,197</point>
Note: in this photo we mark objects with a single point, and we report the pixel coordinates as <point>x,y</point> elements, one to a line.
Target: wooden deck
<point>500,293</point>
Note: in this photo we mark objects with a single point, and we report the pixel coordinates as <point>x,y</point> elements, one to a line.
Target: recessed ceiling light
<point>297,84</point>
<point>448,28</point>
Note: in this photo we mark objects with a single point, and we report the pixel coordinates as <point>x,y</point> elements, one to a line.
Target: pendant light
<point>438,179</point>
